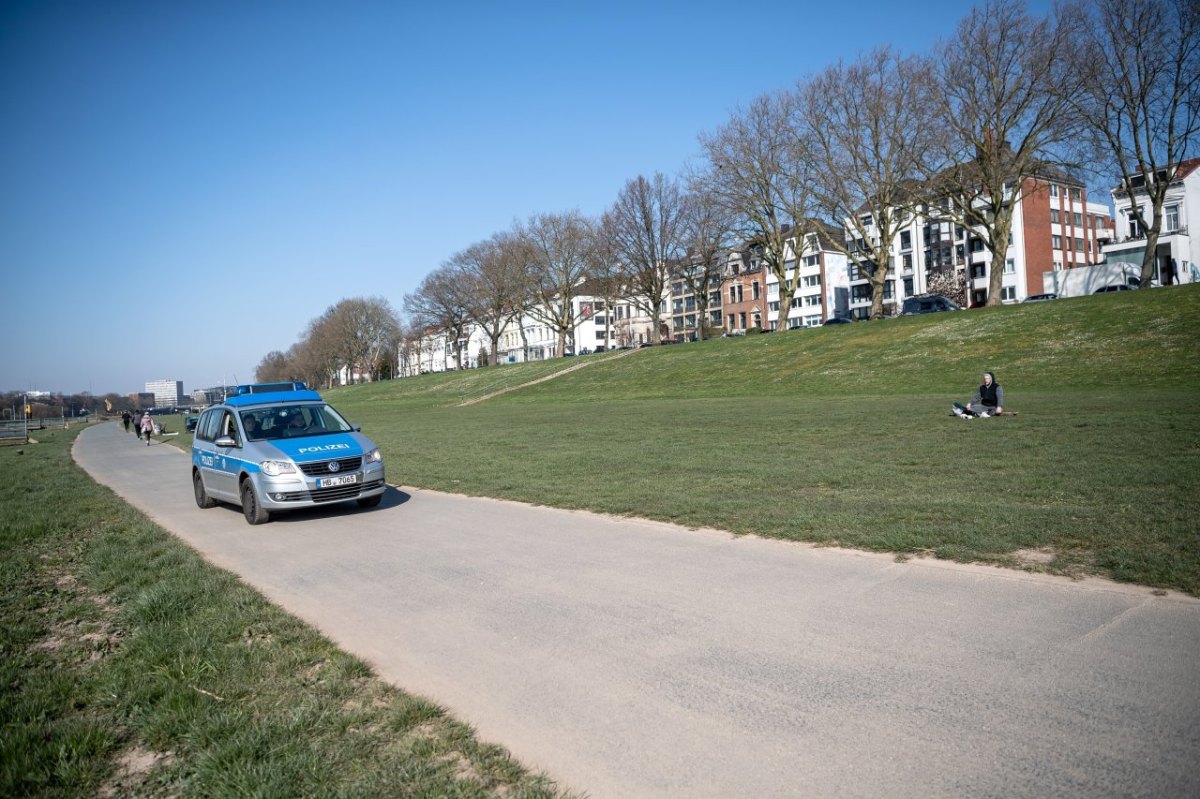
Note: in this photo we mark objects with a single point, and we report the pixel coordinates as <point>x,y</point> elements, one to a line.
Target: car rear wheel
<point>251,508</point>
<point>203,500</point>
<point>370,502</point>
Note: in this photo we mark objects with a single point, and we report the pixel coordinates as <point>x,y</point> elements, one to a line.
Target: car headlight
<point>276,468</point>
<point>375,456</point>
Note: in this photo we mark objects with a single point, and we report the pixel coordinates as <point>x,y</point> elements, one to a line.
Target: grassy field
<point>131,668</point>
<point>843,436</point>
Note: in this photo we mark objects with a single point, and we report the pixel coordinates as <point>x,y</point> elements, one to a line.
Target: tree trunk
<point>999,259</point>
<point>1150,256</point>
<point>878,281</point>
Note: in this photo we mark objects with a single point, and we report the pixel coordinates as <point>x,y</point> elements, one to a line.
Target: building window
<point>1076,194</point>
<point>905,240</point>
<point>1054,216</point>
<point>1008,293</point>
<point>1171,218</point>
<point>908,262</point>
<point>1058,266</point>
<point>1078,219</point>
<point>1053,190</point>
<point>1010,267</point>
<point>1056,242</point>
<point>1078,244</point>
<point>773,306</point>
<point>755,289</point>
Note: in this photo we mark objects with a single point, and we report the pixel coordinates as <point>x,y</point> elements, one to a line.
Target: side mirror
<point>358,428</point>
<point>226,442</point>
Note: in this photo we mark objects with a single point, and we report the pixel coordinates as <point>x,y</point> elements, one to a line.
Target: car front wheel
<point>203,500</point>
<point>251,508</point>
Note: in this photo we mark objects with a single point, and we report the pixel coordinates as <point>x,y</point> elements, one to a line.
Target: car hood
<point>320,448</point>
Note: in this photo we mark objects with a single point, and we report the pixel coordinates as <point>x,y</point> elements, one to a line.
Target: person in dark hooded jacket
<point>988,400</point>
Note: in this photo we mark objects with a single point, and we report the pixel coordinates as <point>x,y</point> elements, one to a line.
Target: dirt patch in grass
<point>1042,556</point>
<point>132,767</point>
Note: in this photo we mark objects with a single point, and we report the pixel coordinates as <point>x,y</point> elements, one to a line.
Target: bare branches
<point>1142,98</point>
<point>644,228</point>
<point>559,247</point>
<point>762,179</point>
<point>1004,95</point>
<point>873,149</point>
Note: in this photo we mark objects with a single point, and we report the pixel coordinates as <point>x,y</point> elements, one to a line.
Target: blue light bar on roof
<point>263,388</point>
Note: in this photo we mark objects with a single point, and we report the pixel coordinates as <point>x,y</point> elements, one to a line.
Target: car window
<point>227,426</point>
<point>206,430</point>
<point>298,421</point>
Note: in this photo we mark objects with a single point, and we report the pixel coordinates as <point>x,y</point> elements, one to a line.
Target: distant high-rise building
<point>167,393</point>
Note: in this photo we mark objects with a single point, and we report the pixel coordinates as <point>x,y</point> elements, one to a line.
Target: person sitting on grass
<point>988,400</point>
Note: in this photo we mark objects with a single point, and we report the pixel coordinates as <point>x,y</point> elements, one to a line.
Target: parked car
<point>1111,289</point>
<point>929,303</point>
<point>189,423</point>
<point>273,450</point>
<point>1041,297</point>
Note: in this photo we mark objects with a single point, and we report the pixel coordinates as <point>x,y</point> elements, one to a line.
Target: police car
<point>278,446</point>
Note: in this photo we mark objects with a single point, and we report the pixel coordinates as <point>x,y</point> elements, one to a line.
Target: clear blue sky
<point>185,185</point>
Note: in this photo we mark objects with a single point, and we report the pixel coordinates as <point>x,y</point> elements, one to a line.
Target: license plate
<point>343,480</point>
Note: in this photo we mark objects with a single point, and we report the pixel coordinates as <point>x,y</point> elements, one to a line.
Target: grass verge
<point>132,668</point>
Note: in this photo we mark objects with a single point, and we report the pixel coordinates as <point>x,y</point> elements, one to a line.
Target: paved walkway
<point>635,659</point>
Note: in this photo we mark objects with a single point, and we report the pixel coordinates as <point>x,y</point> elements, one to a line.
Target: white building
<point>824,289</point>
<point>1054,227</point>
<point>1181,215</point>
<point>167,393</point>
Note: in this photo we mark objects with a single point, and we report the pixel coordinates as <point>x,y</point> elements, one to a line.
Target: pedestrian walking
<point>147,426</point>
<point>126,419</point>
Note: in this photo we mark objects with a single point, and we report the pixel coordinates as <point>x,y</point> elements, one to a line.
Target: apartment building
<point>824,282</point>
<point>167,393</point>
<point>744,290</point>
<point>1181,214</point>
<point>689,314</point>
<point>1055,227</point>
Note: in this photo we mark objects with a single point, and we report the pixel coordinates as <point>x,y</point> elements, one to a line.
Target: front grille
<point>321,468</point>
<point>338,493</point>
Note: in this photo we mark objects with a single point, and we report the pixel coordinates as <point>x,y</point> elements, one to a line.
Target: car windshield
<point>292,421</point>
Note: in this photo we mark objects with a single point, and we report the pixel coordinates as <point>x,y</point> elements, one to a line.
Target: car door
<point>216,470</point>
<point>228,459</point>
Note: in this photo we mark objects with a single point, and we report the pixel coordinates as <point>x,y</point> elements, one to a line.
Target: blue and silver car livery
<point>277,447</point>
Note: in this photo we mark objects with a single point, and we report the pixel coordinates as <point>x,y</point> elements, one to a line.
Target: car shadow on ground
<point>392,498</point>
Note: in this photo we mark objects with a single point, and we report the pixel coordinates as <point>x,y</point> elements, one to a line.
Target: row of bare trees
<point>1098,89</point>
<point>853,154</point>
<point>355,339</point>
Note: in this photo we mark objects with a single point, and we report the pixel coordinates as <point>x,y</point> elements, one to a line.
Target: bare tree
<point>315,358</point>
<point>872,147</point>
<point>644,227</point>
<point>274,367</point>
<point>496,274</point>
<point>762,176</point>
<point>560,252</point>
<point>441,303</point>
<point>707,228</point>
<point>364,331</point>
<point>1004,95</point>
<point>605,279</point>
<point>1142,99</point>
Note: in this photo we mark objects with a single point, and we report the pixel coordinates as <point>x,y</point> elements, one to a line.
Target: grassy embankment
<point>842,436</point>
<point>130,667</point>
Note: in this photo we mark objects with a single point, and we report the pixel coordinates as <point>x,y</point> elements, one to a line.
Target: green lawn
<point>843,435</point>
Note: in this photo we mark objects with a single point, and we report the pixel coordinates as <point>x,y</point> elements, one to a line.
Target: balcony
<point>1179,231</point>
